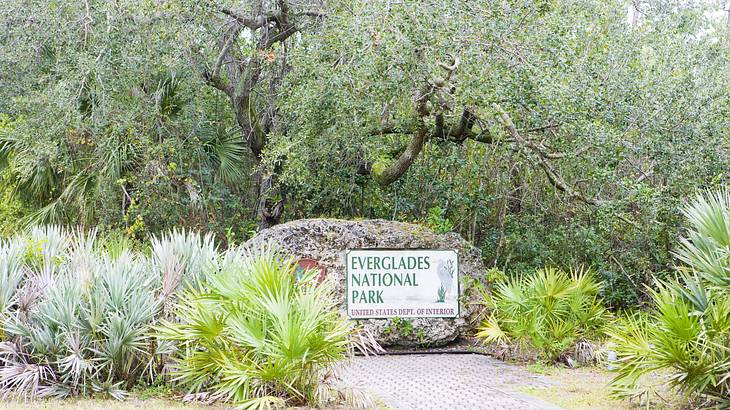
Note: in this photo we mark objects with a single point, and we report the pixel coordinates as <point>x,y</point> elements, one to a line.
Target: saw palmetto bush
<point>685,340</point>
<point>548,314</point>
<point>255,334</point>
<point>76,310</point>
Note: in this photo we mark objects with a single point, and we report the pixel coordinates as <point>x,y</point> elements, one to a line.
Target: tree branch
<point>218,82</point>
<point>284,32</point>
<point>252,23</point>
<point>386,175</point>
<point>553,176</point>
<point>225,50</point>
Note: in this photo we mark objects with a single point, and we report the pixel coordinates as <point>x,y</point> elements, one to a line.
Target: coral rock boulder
<point>324,242</point>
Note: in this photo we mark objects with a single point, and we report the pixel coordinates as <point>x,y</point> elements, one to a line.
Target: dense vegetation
<point>76,309</point>
<point>549,315</point>
<point>681,342</point>
<point>546,132</point>
<point>551,134</point>
<point>83,314</point>
<point>258,334</point>
<point>687,334</point>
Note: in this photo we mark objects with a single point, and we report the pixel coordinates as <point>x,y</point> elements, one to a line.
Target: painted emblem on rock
<point>305,264</point>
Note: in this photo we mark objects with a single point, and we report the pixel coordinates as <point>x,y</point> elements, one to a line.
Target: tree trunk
<point>239,76</point>
<point>269,202</point>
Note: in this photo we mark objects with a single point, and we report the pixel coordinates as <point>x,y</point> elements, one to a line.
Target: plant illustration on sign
<point>445,271</point>
<point>441,295</point>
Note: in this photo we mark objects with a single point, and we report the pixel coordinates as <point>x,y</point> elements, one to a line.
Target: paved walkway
<point>445,382</point>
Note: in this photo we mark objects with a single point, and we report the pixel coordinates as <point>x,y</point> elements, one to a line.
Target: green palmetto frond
<point>226,150</point>
<point>692,289</point>
<point>707,246</point>
<point>167,96</point>
<point>9,142</point>
<point>114,155</point>
<point>548,311</point>
<point>709,215</point>
<point>687,336</point>
<point>269,333</point>
<point>550,291</point>
<point>509,296</point>
<point>75,195</point>
<point>584,281</point>
<point>263,403</point>
<point>37,179</point>
<point>632,336</point>
<point>491,332</point>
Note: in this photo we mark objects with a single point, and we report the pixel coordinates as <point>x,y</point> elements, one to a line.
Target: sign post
<point>387,283</point>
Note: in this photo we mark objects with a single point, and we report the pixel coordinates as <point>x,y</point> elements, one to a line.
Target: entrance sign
<point>386,283</point>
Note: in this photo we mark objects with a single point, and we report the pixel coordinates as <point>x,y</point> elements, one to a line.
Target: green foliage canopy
<point>116,115</point>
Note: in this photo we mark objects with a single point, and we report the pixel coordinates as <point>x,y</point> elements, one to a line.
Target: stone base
<point>326,240</point>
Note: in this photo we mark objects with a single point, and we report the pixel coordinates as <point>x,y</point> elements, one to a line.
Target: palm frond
<point>227,152</point>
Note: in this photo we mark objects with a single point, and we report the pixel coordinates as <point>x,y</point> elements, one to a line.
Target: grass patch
<point>161,391</point>
<point>587,388</point>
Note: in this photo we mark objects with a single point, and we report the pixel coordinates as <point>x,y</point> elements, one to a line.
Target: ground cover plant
<point>684,342</point>
<point>551,314</point>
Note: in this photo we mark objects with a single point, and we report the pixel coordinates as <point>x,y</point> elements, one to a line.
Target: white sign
<point>402,283</point>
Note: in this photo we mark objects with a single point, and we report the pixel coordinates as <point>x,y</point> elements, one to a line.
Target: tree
<point>250,66</point>
<point>453,72</point>
<point>155,51</point>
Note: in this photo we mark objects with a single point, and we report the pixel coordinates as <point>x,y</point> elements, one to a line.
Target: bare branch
<point>252,23</point>
<point>450,68</point>
<point>553,176</point>
<point>225,49</point>
<point>285,32</point>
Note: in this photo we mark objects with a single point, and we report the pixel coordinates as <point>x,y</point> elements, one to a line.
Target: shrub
<point>686,337</point>
<point>257,336</point>
<point>546,313</point>
<point>76,311</point>
<point>78,314</point>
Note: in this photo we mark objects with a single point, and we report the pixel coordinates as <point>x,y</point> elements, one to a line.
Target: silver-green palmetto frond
<point>707,246</point>
<point>181,256</point>
<point>12,253</point>
<point>80,313</point>
<point>80,317</point>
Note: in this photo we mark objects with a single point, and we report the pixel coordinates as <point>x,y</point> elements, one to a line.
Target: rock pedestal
<point>325,242</point>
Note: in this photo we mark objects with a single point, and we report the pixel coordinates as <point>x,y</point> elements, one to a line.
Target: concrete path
<point>445,382</point>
